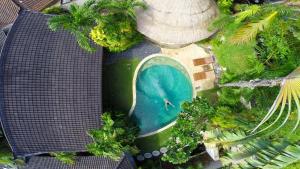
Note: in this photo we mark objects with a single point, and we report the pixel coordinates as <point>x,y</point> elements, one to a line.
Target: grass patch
<point>210,94</point>
<point>154,142</point>
<point>293,166</point>
<point>117,84</point>
<point>117,96</point>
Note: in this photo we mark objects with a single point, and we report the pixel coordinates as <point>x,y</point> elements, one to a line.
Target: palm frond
<point>249,11</point>
<point>78,21</point>
<point>59,21</point>
<point>83,41</point>
<point>249,31</point>
<point>290,155</point>
<point>247,155</point>
<point>289,92</point>
<point>224,139</point>
<point>263,154</point>
<point>252,152</point>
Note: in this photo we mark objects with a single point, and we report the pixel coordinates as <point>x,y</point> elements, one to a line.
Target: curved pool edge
<point>157,131</point>
<point>134,88</point>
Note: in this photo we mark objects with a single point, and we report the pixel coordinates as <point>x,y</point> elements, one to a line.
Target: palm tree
<point>289,93</point>
<point>267,14</point>
<point>290,90</point>
<point>81,19</point>
<point>249,31</point>
<point>78,21</point>
<point>254,150</point>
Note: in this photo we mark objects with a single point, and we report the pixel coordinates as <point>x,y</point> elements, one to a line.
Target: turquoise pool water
<point>160,91</point>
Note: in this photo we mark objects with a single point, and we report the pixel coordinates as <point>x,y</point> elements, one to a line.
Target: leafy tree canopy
<point>114,138</point>
<point>187,132</point>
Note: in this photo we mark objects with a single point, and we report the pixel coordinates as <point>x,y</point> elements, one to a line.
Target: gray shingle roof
<point>50,88</point>
<point>8,12</point>
<point>2,39</point>
<point>37,5</point>
<point>85,162</point>
<point>140,51</point>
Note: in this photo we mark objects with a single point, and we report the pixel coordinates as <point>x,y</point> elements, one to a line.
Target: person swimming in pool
<point>168,103</point>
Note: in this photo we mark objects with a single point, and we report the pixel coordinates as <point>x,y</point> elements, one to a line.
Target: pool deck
<point>202,73</point>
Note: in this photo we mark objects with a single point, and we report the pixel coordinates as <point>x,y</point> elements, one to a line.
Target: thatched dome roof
<point>176,22</point>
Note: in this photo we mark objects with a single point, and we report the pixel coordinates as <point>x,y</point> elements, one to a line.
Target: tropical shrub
<point>259,41</point>
<point>110,23</point>
<point>6,156</point>
<point>224,118</point>
<point>57,10</point>
<point>114,138</point>
<point>186,134</point>
<point>225,5</point>
<point>104,34</point>
<point>238,60</point>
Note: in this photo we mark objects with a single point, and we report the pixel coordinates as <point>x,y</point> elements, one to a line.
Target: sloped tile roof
<point>2,39</point>
<point>86,162</point>
<point>50,88</point>
<point>8,12</point>
<point>37,5</point>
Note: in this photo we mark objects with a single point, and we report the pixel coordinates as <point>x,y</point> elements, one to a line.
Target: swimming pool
<point>160,91</point>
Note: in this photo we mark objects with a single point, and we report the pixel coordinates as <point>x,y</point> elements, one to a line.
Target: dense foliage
<point>242,108</point>
<point>261,148</point>
<point>78,22</point>
<point>6,157</point>
<point>115,137</point>
<point>258,41</point>
<point>293,166</point>
<point>110,23</point>
<point>126,37</point>
<point>55,10</point>
<point>187,132</point>
<point>225,5</point>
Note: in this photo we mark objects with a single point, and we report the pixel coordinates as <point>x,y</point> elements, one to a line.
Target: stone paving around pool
<point>198,63</point>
